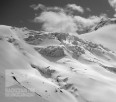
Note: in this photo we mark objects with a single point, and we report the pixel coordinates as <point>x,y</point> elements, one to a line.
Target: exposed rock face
<point>78,51</point>
<point>34,39</point>
<point>104,22</point>
<point>61,36</point>
<point>72,44</point>
<point>51,51</point>
<point>75,50</point>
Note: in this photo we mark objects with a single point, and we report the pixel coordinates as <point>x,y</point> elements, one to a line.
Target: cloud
<point>86,23</point>
<point>56,19</point>
<point>56,22</point>
<point>39,6</point>
<point>114,15</point>
<point>90,20</point>
<point>44,8</point>
<point>75,7</point>
<point>68,8</point>
<point>88,9</point>
<point>61,22</point>
<point>113,4</point>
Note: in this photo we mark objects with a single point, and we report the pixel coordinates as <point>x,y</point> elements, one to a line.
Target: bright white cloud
<point>44,8</point>
<point>57,22</point>
<point>75,7</point>
<point>113,4</point>
<point>88,21</point>
<point>55,19</point>
<point>39,6</point>
<point>68,7</point>
<point>84,23</point>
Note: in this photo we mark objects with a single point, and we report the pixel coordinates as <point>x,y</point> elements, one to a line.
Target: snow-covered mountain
<point>58,67</point>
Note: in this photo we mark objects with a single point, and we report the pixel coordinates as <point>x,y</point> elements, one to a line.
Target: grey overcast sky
<point>19,13</point>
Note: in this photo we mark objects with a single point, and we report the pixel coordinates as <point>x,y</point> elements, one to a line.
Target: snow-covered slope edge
<point>105,36</point>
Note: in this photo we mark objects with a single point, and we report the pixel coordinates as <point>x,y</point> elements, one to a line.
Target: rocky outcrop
<point>51,51</point>
<point>103,23</point>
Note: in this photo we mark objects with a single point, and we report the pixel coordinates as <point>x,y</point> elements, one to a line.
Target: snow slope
<point>64,69</point>
<point>105,36</point>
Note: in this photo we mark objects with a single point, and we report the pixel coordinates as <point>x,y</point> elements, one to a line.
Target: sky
<point>53,15</point>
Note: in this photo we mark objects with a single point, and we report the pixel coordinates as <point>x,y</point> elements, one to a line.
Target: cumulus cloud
<point>44,8</point>
<point>68,8</point>
<point>75,7</point>
<point>56,19</point>
<point>56,22</point>
<point>113,4</point>
<point>39,6</point>
<point>88,9</point>
<point>86,23</point>
<point>90,20</point>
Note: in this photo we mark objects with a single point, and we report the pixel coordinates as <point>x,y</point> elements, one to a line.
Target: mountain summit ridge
<point>103,22</point>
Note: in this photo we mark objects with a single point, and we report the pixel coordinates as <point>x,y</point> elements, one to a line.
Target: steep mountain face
<point>51,51</point>
<point>58,67</point>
